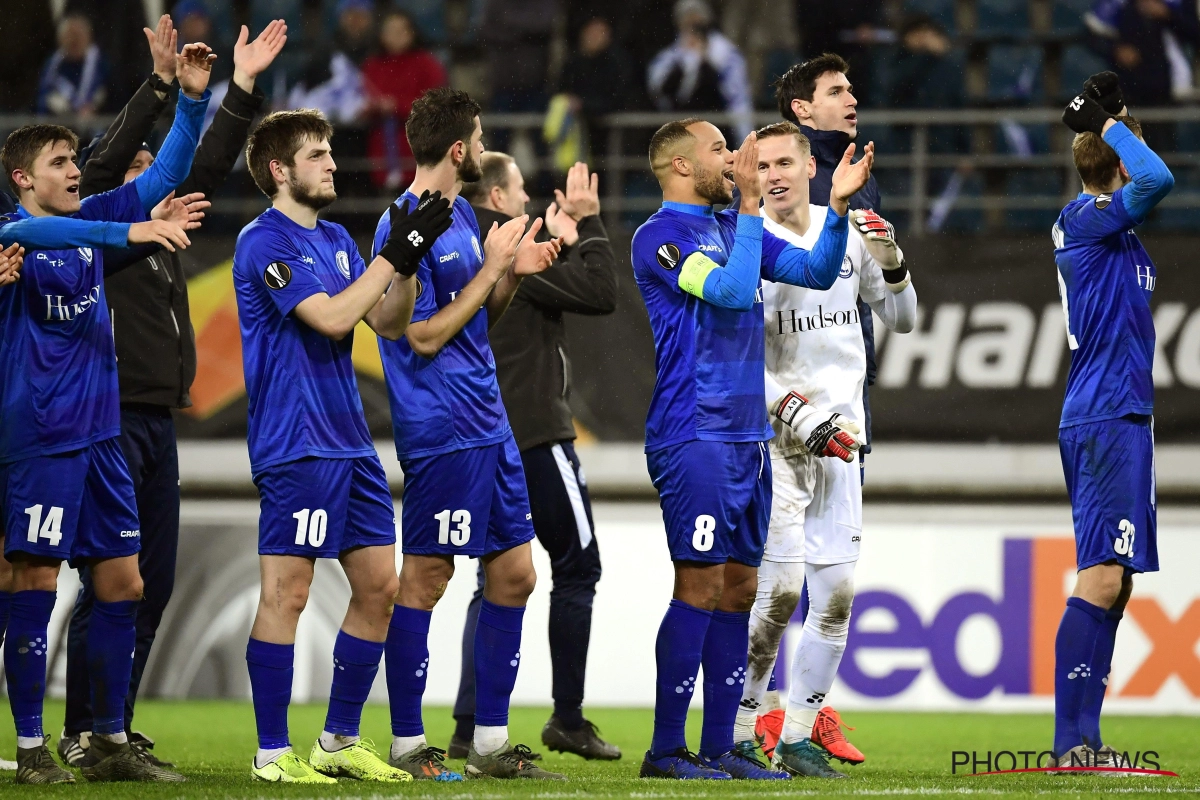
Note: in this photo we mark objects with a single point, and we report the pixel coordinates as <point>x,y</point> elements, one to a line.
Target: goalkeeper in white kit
<point>816,366</point>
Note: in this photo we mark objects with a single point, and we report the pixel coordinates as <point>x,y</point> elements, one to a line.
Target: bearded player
<point>699,274</point>
<point>814,355</point>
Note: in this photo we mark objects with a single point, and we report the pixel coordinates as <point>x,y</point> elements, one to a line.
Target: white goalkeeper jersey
<point>814,339</point>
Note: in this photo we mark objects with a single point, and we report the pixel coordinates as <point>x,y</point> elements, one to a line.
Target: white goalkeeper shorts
<point>816,510</point>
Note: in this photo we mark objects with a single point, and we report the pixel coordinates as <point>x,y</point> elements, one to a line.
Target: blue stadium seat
<point>940,10</point>
<point>1014,74</point>
<point>1002,17</point>
<point>1032,182</point>
<point>955,219</point>
<point>1067,16</point>
<point>1078,63</point>
<point>775,62</point>
<point>1187,181</point>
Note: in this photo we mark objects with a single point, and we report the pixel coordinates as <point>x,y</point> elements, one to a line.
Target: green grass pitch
<point>907,754</point>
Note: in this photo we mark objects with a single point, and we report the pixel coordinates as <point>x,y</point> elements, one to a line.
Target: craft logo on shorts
<point>478,252</point>
<point>277,275</point>
<point>343,262</point>
<point>668,256</point>
<point>847,268</point>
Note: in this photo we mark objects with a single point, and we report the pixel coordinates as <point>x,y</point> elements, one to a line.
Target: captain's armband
<point>694,271</point>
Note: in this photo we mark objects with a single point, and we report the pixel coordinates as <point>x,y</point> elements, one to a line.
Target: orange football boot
<point>768,728</point>
<point>827,733</point>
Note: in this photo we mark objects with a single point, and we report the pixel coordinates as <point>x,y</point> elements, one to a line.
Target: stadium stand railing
<point>955,170</point>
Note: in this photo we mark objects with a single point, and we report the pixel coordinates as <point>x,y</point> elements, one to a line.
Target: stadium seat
<point>1014,74</point>
<point>940,10</point>
<point>1032,182</point>
<point>1066,16</point>
<point>1078,62</point>
<point>1179,218</point>
<point>1002,17</point>
<point>775,62</point>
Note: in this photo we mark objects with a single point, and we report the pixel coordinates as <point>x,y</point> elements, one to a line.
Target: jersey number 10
<point>310,526</point>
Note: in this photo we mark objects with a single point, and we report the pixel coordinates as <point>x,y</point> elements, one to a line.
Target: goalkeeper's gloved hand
<point>880,237</point>
<point>824,433</point>
<point>1084,114</point>
<point>1105,89</point>
<point>413,234</point>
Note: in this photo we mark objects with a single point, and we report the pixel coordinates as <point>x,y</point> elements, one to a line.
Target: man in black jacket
<point>156,348</point>
<point>530,347</point>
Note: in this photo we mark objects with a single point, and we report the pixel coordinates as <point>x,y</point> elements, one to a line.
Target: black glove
<point>413,234</point>
<point>1105,89</point>
<point>1084,114</point>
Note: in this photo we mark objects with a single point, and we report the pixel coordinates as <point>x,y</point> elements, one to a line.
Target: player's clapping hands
<point>745,174</point>
<point>162,41</point>
<point>412,234</point>
<point>880,237</point>
<point>10,264</point>
<point>849,177</point>
<point>533,257</point>
<point>193,68</point>
<point>159,231</point>
<point>186,212</point>
<point>582,199</point>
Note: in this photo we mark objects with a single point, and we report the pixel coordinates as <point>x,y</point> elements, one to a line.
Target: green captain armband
<point>694,272</point>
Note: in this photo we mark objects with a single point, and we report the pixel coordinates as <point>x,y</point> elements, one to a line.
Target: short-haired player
<point>464,486</point>
<point>1106,434</point>
<point>814,355</point>
<point>700,272</point>
<point>302,288</point>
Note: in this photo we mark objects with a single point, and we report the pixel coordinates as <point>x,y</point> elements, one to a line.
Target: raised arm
<point>175,157</point>
<point>818,268</point>
<point>56,233</point>
<point>531,257</point>
<point>1149,178</point>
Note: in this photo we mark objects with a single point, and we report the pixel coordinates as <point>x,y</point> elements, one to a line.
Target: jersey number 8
<point>702,537</point>
<point>462,530</point>
<point>311,525</point>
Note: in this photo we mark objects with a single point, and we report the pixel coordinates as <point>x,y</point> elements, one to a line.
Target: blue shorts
<point>715,498</point>
<point>466,503</point>
<point>72,506</point>
<point>1109,467</point>
<point>322,507</point>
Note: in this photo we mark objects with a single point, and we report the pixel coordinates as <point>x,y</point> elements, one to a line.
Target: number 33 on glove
<point>824,433</point>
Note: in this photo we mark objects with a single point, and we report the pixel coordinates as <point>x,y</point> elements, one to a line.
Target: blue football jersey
<point>58,363</point>
<point>1105,280</point>
<point>709,360</point>
<point>303,395</point>
<point>451,401</point>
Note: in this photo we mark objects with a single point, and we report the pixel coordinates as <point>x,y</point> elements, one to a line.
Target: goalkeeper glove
<point>1105,89</point>
<point>413,234</point>
<point>880,237</point>
<point>1084,114</point>
<point>824,433</point>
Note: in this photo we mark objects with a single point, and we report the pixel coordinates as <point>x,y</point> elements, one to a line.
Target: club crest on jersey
<point>668,256</point>
<point>478,252</point>
<point>86,254</point>
<point>847,268</point>
<point>1102,200</point>
<point>277,275</point>
<point>343,262</point>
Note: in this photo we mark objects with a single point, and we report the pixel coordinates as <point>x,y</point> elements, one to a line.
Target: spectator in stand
<point>194,20</point>
<point>597,74</point>
<point>27,30</point>
<point>1142,38</point>
<point>702,70</point>
<point>73,79</point>
<point>332,80</point>
<point>516,35</point>
<point>393,80</point>
<point>925,72</point>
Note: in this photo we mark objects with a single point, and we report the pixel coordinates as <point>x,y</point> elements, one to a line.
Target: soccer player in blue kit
<point>706,433</point>
<point>1106,435</point>
<point>65,488</point>
<point>464,486</point>
<point>302,287</point>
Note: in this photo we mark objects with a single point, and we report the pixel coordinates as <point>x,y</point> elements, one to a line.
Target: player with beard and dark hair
<point>464,485</point>
<point>699,273</point>
<point>302,287</point>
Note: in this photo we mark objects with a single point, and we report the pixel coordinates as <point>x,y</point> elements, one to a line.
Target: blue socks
<point>110,644</point>
<point>25,659</point>
<point>677,652</point>
<point>5,602</point>
<point>497,656</point>
<point>1093,695</point>
<point>270,668</point>
<point>1074,667</point>
<point>355,664</point>
<point>724,660</point>
<point>407,668</point>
